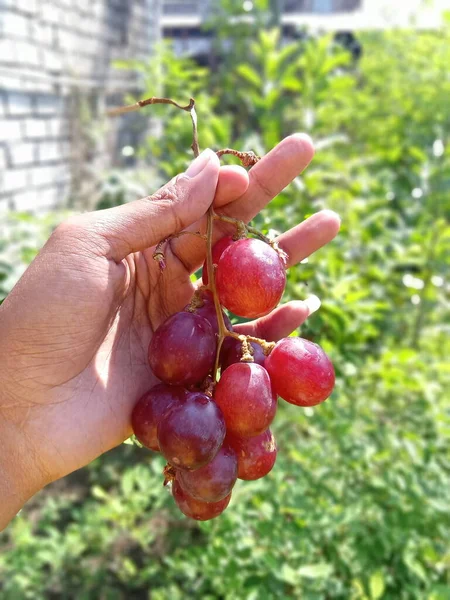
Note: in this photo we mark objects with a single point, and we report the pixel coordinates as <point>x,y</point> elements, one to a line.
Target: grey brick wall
<point>55,82</point>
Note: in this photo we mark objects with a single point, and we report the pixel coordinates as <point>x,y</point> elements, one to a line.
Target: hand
<point>75,330</point>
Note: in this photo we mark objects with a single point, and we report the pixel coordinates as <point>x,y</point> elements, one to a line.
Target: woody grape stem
<point>248,159</point>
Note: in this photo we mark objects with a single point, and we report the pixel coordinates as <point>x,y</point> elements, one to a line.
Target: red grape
<point>196,509</point>
<point>182,350</point>
<point>231,353</point>
<point>191,433</point>
<point>256,456</point>
<point>250,278</point>
<point>300,371</point>
<point>217,251</point>
<point>214,481</point>
<point>149,410</point>
<point>246,398</point>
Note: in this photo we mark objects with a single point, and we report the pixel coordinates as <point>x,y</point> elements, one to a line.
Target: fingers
<point>117,232</point>
<point>190,250</point>
<point>282,321</point>
<point>272,174</point>
<point>307,237</point>
<point>266,179</point>
<point>233,182</point>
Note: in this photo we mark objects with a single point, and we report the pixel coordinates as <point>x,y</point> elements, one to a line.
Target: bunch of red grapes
<point>213,432</point>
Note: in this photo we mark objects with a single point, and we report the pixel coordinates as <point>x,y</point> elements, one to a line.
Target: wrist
<point>19,477</point>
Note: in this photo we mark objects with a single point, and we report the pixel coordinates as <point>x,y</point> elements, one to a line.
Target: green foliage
<point>180,79</point>
<point>21,238</point>
<point>357,505</point>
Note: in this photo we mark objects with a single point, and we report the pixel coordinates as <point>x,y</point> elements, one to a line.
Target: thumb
<point>143,223</point>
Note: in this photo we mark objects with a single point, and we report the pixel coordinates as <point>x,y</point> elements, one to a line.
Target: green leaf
<point>415,566</point>
<point>288,574</point>
<point>440,592</point>
<point>317,571</point>
<point>99,493</point>
<point>250,75</point>
<point>376,585</point>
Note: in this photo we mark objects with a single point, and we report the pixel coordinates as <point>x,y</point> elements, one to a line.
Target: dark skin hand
<point>75,329</point>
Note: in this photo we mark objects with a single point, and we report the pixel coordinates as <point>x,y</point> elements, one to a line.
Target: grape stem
<point>158,253</point>
<point>266,346</point>
<point>242,229</point>
<point>223,331</point>
<point>169,474</point>
<point>248,159</point>
<point>190,108</point>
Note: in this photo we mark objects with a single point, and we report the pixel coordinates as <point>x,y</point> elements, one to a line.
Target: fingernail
<point>313,303</point>
<point>199,163</point>
<point>332,214</point>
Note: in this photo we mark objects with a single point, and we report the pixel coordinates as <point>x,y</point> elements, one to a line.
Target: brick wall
<point>55,81</point>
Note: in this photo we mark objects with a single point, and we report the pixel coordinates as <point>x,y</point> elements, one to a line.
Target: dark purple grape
<point>196,509</point>
<point>214,481</point>
<point>149,409</point>
<point>182,349</point>
<point>208,311</point>
<point>191,433</point>
<point>231,353</point>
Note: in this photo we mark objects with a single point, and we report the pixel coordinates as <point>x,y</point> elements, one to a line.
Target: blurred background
<point>357,506</point>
